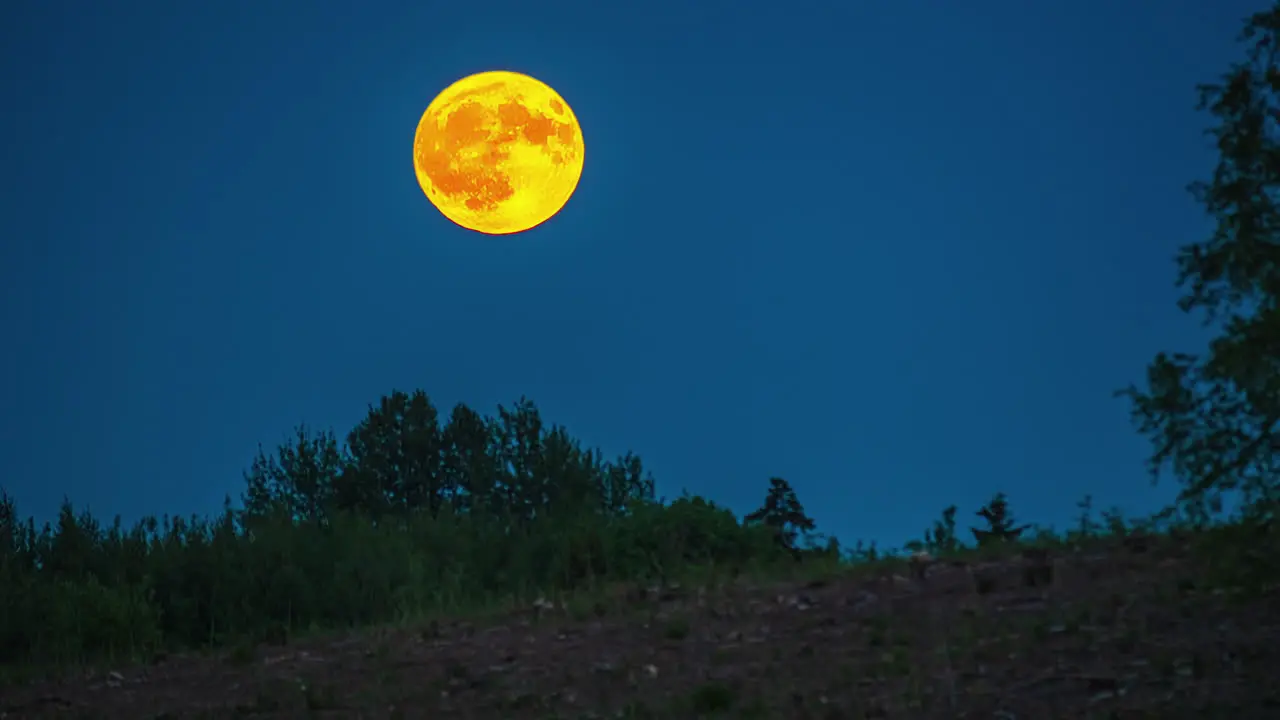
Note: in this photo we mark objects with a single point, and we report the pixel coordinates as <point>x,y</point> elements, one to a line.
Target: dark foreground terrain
<point>1130,632</point>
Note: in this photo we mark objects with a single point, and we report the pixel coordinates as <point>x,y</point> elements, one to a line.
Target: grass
<point>1116,626</point>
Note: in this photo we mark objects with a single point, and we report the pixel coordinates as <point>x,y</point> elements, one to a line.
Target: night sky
<point>900,254</point>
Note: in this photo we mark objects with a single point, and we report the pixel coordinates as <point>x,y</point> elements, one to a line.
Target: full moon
<point>498,152</point>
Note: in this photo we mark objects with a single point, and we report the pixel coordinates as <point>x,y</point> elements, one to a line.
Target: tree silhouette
<point>783,513</point>
<point>623,484</point>
<point>299,480</point>
<point>1212,417</point>
<point>399,460</point>
<point>468,461</point>
<point>396,459</point>
<point>941,538</point>
<point>1000,527</point>
<point>518,446</point>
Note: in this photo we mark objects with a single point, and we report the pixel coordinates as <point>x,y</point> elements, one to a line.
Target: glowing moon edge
<point>498,152</point>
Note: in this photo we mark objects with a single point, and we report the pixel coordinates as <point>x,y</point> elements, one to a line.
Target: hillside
<point>1132,629</point>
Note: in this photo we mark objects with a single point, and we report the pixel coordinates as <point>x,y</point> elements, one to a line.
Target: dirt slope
<point>1123,634</point>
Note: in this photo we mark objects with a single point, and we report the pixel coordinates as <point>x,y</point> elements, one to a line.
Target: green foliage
<point>1212,417</point>
<point>408,519</point>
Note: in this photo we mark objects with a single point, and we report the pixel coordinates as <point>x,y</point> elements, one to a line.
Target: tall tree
<point>1212,417</point>
<point>624,482</point>
<point>396,454</point>
<point>16,538</point>
<point>570,477</point>
<point>469,464</point>
<point>298,480</point>
<point>518,443</point>
<point>72,545</point>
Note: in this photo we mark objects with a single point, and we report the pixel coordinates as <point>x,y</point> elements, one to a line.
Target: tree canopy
<point>1212,416</point>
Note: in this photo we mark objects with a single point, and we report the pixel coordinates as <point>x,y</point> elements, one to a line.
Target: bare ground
<point>1130,633</point>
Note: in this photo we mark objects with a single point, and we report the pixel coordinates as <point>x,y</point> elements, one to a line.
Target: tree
<point>16,540</point>
<point>783,513</point>
<point>299,480</point>
<point>941,538</point>
<point>1000,527</point>
<point>1212,417</point>
<point>469,463</point>
<point>396,456</point>
<point>407,517</point>
<point>518,446</point>
<point>624,483</point>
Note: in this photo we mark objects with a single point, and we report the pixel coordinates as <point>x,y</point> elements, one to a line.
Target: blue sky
<point>898,253</point>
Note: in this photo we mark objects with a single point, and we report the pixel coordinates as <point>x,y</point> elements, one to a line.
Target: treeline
<point>406,518</point>
<point>409,516</point>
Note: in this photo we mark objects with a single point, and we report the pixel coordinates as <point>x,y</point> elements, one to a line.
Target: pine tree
<point>1000,527</point>
<point>783,513</point>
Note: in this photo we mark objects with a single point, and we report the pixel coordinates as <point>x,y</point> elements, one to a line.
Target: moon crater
<point>498,152</point>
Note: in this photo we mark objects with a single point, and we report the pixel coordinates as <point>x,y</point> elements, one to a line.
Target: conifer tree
<point>1000,527</point>
<point>783,513</point>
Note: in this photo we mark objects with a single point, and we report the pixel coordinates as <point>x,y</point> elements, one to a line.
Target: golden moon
<point>498,152</point>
